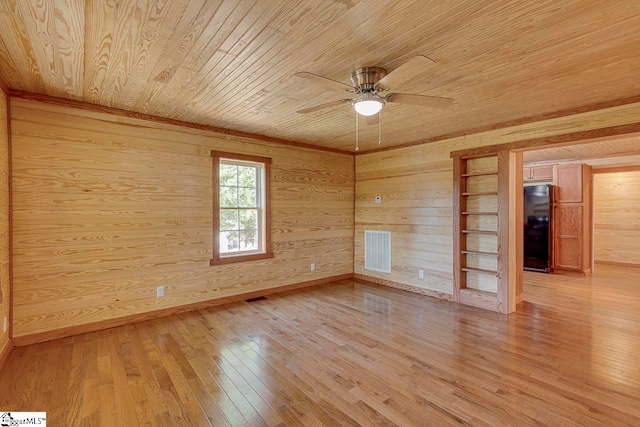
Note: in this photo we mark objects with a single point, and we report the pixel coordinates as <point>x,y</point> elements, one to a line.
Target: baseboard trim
<point>402,286</point>
<point>135,318</point>
<point>618,264</point>
<point>4,354</point>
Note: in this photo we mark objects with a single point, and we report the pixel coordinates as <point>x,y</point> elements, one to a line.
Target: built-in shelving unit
<point>476,230</point>
<point>479,253</point>
<point>480,213</point>
<point>486,232</point>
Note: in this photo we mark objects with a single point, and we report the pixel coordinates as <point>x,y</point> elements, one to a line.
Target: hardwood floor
<point>353,354</point>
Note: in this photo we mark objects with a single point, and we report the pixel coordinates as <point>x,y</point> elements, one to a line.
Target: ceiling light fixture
<point>368,104</point>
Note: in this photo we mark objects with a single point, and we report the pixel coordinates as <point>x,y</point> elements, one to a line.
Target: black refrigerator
<point>538,225</point>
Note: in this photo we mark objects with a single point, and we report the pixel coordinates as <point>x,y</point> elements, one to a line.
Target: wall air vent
<point>377,251</point>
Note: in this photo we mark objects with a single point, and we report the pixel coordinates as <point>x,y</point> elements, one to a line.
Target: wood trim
<point>268,253</point>
<point>459,223</point>
<point>516,237</point>
<point>615,169</point>
<point>131,114</point>
<point>504,257</point>
<point>511,230</point>
<point>242,157</point>
<point>546,141</point>
<point>516,122</point>
<point>239,258</point>
<point>134,318</point>
<point>617,263</point>
<point>4,87</point>
<point>403,287</point>
<point>10,179</point>
<point>5,352</point>
<point>215,228</point>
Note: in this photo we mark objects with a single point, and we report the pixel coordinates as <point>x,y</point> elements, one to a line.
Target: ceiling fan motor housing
<point>365,78</point>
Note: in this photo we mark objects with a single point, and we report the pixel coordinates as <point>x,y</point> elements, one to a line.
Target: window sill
<point>240,258</point>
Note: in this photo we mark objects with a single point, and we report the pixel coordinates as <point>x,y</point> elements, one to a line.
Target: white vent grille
<point>377,251</point>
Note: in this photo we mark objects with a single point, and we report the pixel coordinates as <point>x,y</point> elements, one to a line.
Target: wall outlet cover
<point>159,291</point>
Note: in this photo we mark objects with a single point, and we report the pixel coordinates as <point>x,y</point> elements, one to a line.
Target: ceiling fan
<point>370,83</point>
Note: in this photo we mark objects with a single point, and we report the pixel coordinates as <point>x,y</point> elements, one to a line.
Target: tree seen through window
<point>239,207</point>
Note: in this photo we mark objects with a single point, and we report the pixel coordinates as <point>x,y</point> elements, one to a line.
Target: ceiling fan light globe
<point>368,107</point>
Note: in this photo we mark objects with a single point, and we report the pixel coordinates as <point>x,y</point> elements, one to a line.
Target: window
<point>241,227</point>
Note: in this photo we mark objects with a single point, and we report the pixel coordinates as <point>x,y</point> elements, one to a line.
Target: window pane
<point>248,219</point>
<point>229,241</point>
<point>228,219</point>
<point>247,197</point>
<point>228,175</point>
<point>228,197</point>
<point>247,176</point>
<point>248,240</point>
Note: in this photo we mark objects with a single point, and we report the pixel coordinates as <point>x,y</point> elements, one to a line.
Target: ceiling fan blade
<point>323,106</point>
<point>416,65</point>
<point>325,81</point>
<point>372,120</point>
<point>422,100</point>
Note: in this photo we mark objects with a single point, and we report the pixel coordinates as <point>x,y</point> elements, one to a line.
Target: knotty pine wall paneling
<point>616,208</point>
<point>107,208</point>
<point>416,186</point>
<point>5,279</point>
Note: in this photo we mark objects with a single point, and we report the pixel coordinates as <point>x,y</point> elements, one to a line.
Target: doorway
<point>611,208</point>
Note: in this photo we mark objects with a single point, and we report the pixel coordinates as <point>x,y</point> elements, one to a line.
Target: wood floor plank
<point>327,356</point>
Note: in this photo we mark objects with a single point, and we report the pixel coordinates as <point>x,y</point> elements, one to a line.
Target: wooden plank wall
<point>416,185</point>
<point>616,211</point>
<point>5,297</point>
<point>106,208</point>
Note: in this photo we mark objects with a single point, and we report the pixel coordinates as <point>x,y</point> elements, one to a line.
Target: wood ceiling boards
<point>587,152</point>
<point>230,63</point>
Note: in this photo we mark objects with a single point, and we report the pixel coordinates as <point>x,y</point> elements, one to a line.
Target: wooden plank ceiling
<point>231,63</point>
<point>596,153</point>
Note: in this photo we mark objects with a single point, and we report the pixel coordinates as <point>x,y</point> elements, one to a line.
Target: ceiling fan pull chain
<point>379,128</point>
<point>357,147</point>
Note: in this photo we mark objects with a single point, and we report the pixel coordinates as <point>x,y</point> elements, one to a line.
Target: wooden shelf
<point>479,253</point>
<point>489,233</point>
<point>480,213</point>
<point>479,292</point>
<point>467,175</point>
<point>481,193</point>
<point>479,270</point>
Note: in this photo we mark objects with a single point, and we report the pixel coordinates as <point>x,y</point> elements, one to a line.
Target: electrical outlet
<point>159,291</point>
<point>313,266</point>
<point>4,325</point>
<point>420,274</point>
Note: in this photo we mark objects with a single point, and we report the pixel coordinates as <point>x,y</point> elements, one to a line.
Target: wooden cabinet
<point>572,217</point>
<point>568,180</point>
<point>569,236</point>
<point>537,173</point>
